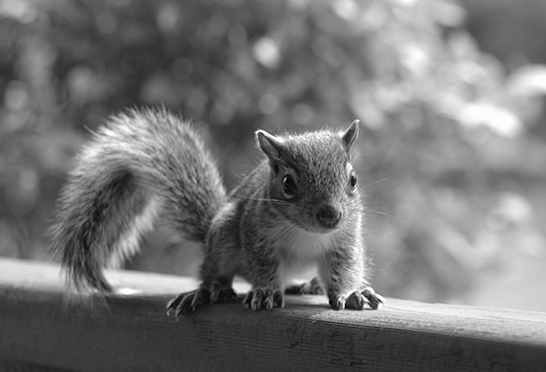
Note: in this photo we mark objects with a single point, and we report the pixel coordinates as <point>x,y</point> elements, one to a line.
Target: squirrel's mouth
<point>317,227</point>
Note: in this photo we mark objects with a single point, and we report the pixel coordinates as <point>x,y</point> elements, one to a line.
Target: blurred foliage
<point>455,180</point>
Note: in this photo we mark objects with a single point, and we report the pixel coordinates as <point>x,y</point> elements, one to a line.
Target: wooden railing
<point>43,329</point>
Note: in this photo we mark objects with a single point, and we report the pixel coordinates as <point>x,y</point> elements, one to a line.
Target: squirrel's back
<point>141,166</point>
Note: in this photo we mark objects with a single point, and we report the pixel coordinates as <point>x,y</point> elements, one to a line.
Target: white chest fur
<point>300,252</point>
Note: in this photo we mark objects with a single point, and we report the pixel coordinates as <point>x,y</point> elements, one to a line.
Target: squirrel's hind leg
<point>188,302</point>
<point>312,287</point>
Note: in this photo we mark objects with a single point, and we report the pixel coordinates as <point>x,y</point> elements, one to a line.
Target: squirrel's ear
<point>270,145</point>
<point>349,136</point>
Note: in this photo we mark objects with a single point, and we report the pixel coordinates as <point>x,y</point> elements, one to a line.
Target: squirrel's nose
<point>328,216</point>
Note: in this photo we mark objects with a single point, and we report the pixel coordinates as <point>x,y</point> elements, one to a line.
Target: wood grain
<point>42,326</point>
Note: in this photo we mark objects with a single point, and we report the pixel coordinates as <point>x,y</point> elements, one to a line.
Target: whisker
<point>374,183</point>
<point>391,188</point>
<point>278,201</point>
<point>378,212</point>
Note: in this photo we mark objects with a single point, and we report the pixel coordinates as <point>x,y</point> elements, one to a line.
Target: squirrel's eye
<point>289,187</point>
<point>352,180</point>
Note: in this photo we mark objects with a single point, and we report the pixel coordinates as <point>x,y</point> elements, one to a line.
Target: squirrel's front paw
<point>259,299</point>
<point>185,303</point>
<point>358,300</point>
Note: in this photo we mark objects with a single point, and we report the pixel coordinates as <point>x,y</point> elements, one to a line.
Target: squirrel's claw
<point>375,300</point>
<point>173,304</point>
<point>186,303</point>
<point>268,299</point>
<point>358,300</point>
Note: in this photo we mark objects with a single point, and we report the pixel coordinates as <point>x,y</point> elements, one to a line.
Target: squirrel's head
<point>312,181</point>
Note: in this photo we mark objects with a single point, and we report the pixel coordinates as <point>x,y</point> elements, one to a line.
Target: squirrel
<point>299,209</point>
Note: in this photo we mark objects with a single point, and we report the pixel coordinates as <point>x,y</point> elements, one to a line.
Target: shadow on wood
<point>42,329</point>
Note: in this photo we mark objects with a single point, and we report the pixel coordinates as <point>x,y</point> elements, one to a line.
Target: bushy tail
<point>140,167</point>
